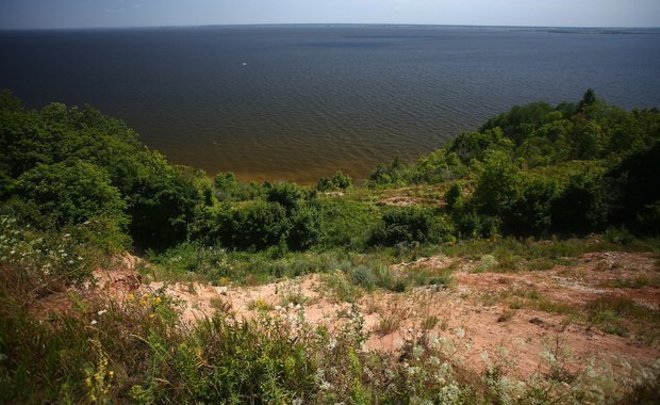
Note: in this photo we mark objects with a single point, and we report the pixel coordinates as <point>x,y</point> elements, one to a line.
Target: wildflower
<point>325,386</point>
<point>101,312</point>
<point>94,322</point>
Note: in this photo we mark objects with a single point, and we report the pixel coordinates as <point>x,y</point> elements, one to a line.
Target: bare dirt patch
<point>474,320</point>
<point>477,330</point>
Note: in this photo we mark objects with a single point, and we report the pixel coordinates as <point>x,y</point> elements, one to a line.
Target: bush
<point>305,228</point>
<point>228,188</point>
<point>209,262</point>
<point>363,276</point>
<point>161,208</point>
<point>68,193</point>
<point>410,224</point>
<point>634,192</point>
<point>453,196</point>
<point>339,181</point>
<point>498,185</point>
<point>288,195</point>
<point>531,212</point>
<point>258,226</point>
<point>580,208</point>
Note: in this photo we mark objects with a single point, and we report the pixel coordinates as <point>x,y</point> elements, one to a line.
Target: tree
<point>68,193</point>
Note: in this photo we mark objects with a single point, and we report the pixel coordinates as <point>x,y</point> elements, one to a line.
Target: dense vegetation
<point>77,187</point>
<point>536,170</point>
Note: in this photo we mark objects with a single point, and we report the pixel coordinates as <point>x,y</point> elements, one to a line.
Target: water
<point>300,102</point>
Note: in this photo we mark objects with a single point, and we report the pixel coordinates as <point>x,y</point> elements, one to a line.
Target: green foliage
<point>254,227</point>
<point>633,190</point>
<point>409,224</point>
<point>305,228</point>
<point>519,123</point>
<point>498,186</point>
<point>161,208</point>
<point>474,145</point>
<point>396,173</point>
<point>339,181</point>
<point>228,188</point>
<point>531,212</point>
<point>345,223</point>
<point>288,195</point>
<point>581,207</point>
<point>68,193</point>
<point>453,196</point>
<point>160,199</point>
<point>439,166</point>
<point>208,262</point>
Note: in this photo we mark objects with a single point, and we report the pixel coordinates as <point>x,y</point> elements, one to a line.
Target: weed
<point>259,305</point>
<point>506,315</point>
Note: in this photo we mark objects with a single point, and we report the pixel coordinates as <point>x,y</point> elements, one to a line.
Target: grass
<point>141,351</point>
<point>259,305</point>
<point>388,324</point>
<point>618,315</point>
<point>513,254</point>
<point>634,283</point>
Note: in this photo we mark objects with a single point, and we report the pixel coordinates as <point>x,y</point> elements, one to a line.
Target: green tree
<point>68,193</point>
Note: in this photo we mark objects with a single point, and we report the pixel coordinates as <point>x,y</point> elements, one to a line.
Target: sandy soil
<point>473,317</point>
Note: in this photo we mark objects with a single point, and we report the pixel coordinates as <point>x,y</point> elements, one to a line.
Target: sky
<point>47,14</point>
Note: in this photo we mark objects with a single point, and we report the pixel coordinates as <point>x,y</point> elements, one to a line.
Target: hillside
<point>516,264</point>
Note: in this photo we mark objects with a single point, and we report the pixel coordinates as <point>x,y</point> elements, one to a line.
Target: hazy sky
<point>130,13</point>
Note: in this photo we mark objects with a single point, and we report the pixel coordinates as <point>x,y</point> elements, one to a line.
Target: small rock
<point>537,321</point>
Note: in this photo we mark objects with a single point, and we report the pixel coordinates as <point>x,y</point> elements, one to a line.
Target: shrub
<point>288,195</point>
<point>498,185</point>
<point>161,206</point>
<point>363,276</point>
<point>580,207</point>
<point>209,262</point>
<point>453,196</point>
<point>228,188</point>
<point>409,224</point>
<point>531,212</point>
<point>339,181</point>
<point>305,228</point>
<point>255,227</point>
<point>68,193</point>
<point>632,185</point>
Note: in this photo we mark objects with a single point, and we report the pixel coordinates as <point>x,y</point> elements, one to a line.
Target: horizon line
<point>138,27</point>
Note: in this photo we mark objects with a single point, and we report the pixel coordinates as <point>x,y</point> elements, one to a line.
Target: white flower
<point>325,386</point>
<point>101,312</point>
<point>94,322</point>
